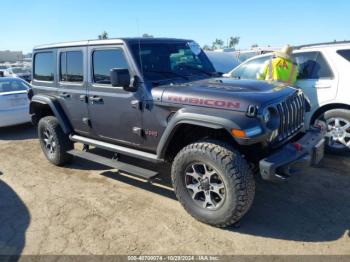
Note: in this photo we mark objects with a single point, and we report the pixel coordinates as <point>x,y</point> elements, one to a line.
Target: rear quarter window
<point>345,54</point>
<point>44,66</point>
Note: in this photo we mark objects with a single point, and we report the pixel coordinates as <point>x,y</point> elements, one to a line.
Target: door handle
<point>96,99</point>
<point>322,86</point>
<point>64,95</point>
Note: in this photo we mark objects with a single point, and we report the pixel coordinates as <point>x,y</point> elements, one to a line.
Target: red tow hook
<point>298,147</point>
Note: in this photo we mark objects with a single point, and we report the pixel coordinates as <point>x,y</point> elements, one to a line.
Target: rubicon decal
<point>204,102</point>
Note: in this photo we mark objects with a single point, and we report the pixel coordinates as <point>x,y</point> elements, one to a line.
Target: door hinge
<point>86,121</point>
<point>137,130</point>
<point>137,104</point>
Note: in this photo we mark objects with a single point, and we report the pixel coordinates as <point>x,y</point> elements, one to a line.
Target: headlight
<point>270,117</point>
<point>266,115</point>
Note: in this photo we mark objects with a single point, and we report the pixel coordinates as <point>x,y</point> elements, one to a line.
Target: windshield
<point>249,69</point>
<point>12,85</point>
<point>160,61</point>
<point>3,67</point>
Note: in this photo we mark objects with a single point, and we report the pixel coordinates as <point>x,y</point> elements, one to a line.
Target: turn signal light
<point>238,133</point>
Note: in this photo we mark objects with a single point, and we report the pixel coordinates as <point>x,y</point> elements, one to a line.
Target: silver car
<point>14,102</point>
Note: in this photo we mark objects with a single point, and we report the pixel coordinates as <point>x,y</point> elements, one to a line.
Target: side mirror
<point>121,77</point>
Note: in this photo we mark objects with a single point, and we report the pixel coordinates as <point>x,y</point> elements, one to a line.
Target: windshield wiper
<point>200,70</point>
<point>167,72</point>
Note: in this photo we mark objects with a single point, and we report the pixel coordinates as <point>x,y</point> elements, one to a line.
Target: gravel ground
<point>88,209</point>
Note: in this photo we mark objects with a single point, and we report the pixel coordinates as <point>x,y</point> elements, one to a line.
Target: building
<point>11,56</point>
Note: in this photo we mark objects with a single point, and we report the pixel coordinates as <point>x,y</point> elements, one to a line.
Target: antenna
<point>139,35</point>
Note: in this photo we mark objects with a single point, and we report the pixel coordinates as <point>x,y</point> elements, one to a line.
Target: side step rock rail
<point>134,170</point>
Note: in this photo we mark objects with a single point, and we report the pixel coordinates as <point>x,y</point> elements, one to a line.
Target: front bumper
<point>291,158</point>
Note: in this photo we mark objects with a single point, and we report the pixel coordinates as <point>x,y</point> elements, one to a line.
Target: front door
<point>72,85</point>
<point>114,113</point>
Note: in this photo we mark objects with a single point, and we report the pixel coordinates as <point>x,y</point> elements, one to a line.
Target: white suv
<point>324,75</point>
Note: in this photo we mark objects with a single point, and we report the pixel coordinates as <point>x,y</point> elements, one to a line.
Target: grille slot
<point>291,113</point>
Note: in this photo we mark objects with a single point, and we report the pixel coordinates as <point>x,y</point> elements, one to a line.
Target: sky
<point>27,23</point>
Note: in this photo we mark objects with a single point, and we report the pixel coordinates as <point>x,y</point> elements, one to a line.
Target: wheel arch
<point>189,131</point>
<point>321,110</point>
<point>41,106</point>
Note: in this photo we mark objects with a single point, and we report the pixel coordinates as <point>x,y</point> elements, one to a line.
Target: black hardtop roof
<point>128,40</point>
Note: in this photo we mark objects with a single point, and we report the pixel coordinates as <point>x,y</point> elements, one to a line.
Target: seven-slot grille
<point>291,113</point>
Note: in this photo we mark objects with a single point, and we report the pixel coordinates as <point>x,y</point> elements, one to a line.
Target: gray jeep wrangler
<point>160,100</point>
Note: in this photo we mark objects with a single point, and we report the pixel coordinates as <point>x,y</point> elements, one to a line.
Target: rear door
<point>316,77</point>
<point>114,113</point>
<point>72,87</point>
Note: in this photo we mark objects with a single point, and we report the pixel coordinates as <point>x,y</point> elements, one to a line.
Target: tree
<point>102,36</point>
<point>218,44</point>
<point>233,41</point>
<point>207,48</point>
<point>145,35</point>
<point>254,46</point>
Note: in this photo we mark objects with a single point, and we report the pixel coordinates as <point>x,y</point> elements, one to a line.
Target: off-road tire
<point>340,114</point>
<point>235,173</point>
<point>59,157</point>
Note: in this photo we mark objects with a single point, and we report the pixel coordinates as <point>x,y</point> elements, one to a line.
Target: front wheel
<point>338,130</point>
<point>213,182</point>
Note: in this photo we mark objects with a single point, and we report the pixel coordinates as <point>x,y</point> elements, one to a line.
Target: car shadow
<point>19,132</point>
<point>14,221</point>
<point>312,207</point>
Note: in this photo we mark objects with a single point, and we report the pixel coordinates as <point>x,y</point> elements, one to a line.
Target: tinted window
<point>12,85</point>
<point>71,66</point>
<point>312,65</point>
<point>104,61</point>
<point>44,66</point>
<point>160,61</point>
<point>250,69</point>
<point>345,54</point>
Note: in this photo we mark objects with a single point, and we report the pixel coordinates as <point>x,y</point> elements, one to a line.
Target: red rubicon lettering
<point>233,104</point>
<point>206,102</point>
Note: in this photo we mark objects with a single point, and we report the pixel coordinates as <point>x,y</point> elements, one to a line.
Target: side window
<point>44,66</point>
<point>345,53</point>
<point>321,69</point>
<point>250,69</point>
<point>105,60</point>
<point>71,66</point>
<point>312,65</point>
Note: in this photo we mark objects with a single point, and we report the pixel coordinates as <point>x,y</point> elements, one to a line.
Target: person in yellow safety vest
<point>281,68</point>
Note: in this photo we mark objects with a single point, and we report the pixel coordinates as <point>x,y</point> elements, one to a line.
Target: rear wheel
<point>338,131</point>
<point>53,141</point>
<point>213,182</point>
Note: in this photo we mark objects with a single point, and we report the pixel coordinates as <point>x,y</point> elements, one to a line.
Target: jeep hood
<point>223,93</point>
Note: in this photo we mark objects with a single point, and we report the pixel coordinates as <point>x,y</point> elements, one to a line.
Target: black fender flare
<point>193,118</point>
<point>56,109</point>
